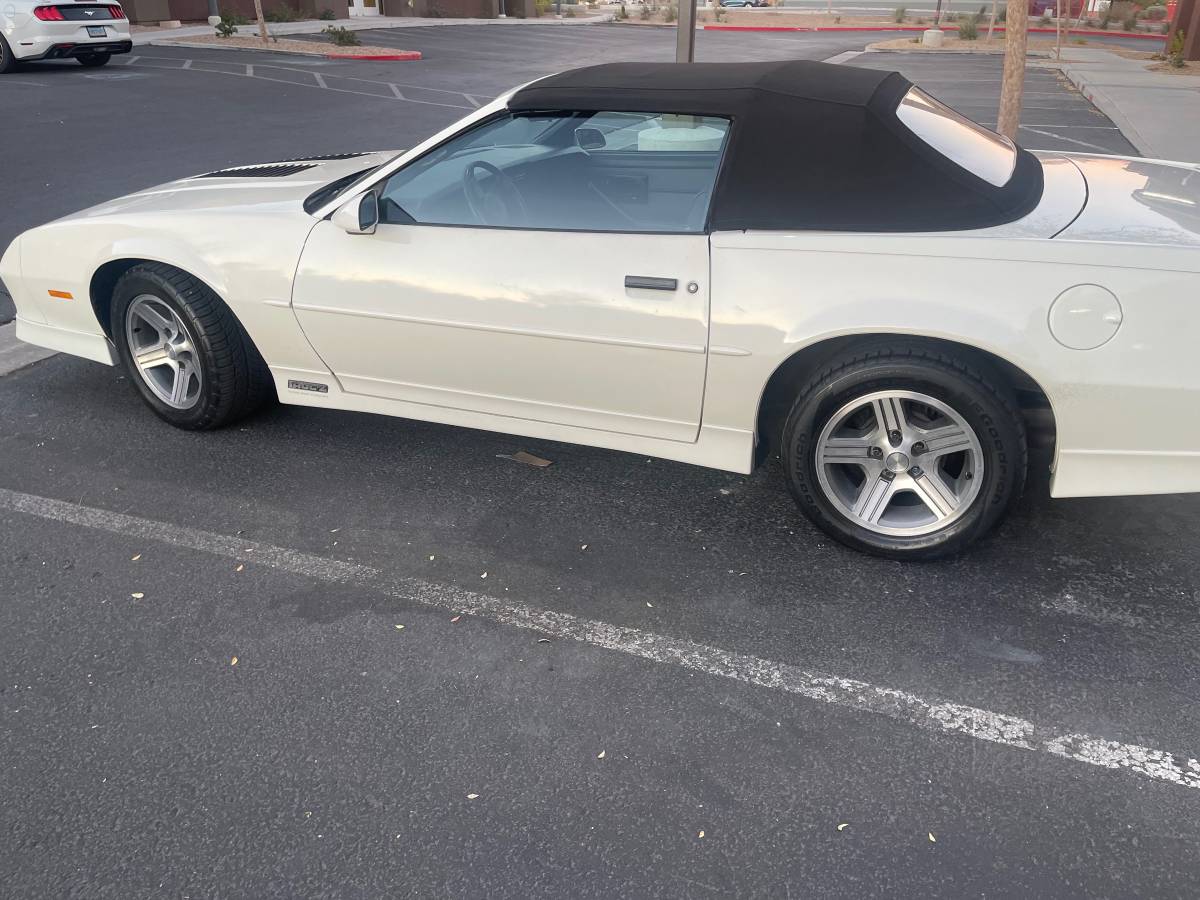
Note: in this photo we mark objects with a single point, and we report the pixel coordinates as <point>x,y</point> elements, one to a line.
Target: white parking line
<point>938,716</point>
<point>319,82</point>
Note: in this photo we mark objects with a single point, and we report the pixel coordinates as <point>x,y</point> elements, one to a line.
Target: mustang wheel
<point>905,452</point>
<point>184,350</point>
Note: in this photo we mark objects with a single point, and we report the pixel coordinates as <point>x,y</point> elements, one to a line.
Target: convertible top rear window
<point>985,153</point>
<point>819,147</point>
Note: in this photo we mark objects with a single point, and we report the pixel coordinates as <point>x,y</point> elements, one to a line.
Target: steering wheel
<point>494,200</point>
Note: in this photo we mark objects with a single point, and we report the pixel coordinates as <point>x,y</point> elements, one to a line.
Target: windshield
<point>981,152</point>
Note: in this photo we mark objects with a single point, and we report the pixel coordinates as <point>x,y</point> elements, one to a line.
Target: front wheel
<point>95,60</point>
<point>185,352</point>
<point>905,452</point>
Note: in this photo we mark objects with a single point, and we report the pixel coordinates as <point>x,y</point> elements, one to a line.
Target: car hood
<point>1139,201</point>
<point>253,186</point>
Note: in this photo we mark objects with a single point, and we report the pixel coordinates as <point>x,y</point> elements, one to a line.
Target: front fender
<point>249,262</point>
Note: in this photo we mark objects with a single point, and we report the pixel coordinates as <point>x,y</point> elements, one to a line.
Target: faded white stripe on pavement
<point>931,715</point>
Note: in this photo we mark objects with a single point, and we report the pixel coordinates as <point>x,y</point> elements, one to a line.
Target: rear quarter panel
<point>1125,412</point>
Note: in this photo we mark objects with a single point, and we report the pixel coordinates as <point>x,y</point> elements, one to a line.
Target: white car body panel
<point>534,334</point>
<point>30,38</point>
<point>483,336</point>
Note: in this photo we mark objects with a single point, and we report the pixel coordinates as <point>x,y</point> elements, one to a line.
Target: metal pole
<point>685,32</point>
<point>213,9</point>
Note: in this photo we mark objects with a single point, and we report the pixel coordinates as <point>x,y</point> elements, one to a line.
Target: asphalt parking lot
<point>616,677</point>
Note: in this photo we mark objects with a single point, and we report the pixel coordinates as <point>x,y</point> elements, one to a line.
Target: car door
<point>550,267</point>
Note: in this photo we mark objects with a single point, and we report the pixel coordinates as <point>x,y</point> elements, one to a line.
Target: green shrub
<point>341,35</point>
<point>1155,13</point>
<point>900,15</point>
<point>671,14</point>
<point>226,28</point>
<point>968,28</point>
<point>327,15</point>
<point>233,18</point>
<point>1175,51</point>
<point>280,14</point>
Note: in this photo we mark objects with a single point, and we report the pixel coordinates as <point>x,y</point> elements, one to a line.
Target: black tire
<point>236,380</point>
<point>95,60</point>
<point>970,387</point>
<point>8,62</point>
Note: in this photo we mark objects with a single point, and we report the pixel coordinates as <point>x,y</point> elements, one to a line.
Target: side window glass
<point>567,171</point>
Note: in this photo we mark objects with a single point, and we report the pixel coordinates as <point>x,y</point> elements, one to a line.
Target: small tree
<point>262,22</point>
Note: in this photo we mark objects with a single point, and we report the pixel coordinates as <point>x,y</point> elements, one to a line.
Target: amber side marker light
<point>61,295</point>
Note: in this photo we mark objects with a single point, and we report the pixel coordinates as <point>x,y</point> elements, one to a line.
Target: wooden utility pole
<point>1016,41</point>
<point>1187,20</point>
<point>262,22</point>
<point>992,21</point>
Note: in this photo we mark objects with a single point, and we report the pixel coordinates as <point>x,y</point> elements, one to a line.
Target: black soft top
<point>813,146</point>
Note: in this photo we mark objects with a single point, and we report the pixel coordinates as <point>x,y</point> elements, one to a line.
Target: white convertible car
<point>705,263</point>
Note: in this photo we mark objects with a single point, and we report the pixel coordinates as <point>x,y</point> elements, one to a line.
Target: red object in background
<point>1072,8</point>
<point>1172,5</point>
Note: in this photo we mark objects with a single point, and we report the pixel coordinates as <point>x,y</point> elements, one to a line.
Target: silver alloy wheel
<point>899,463</point>
<point>163,351</point>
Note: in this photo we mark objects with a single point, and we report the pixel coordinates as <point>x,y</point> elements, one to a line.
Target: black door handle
<point>645,283</point>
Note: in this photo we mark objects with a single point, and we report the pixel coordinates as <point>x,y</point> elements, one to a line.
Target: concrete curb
<point>386,57</point>
<point>195,45</point>
<point>949,27</point>
<point>398,56</point>
<point>15,354</point>
<point>1078,76</point>
<point>287,29</point>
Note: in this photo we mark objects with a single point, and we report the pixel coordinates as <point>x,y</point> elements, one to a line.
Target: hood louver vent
<point>274,170</point>
<point>328,157</point>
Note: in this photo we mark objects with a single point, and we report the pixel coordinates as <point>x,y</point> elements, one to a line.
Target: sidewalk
<point>1158,112</point>
<point>143,35</point>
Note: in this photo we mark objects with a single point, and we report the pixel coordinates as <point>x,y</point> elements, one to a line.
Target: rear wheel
<point>8,62</point>
<point>95,60</point>
<point>905,452</point>
<point>186,354</point>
